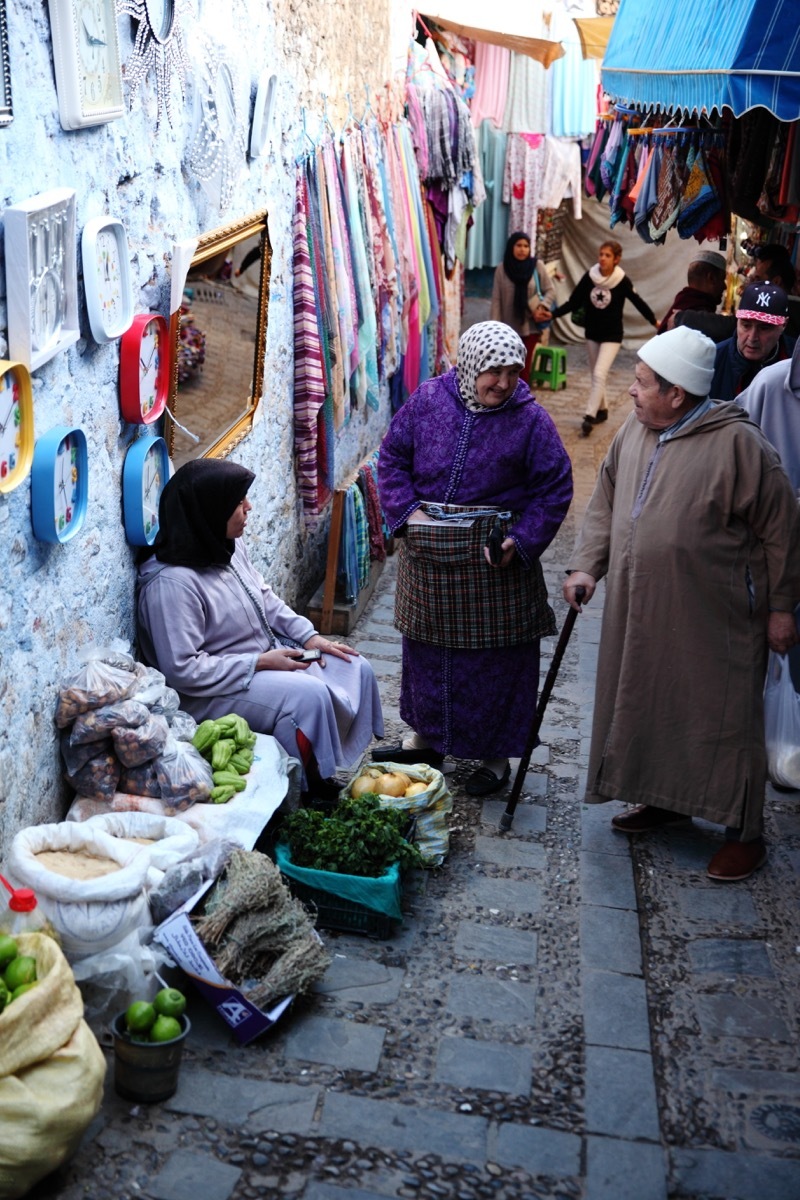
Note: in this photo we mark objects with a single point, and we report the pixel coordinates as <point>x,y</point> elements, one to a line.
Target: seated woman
<point>227,643</point>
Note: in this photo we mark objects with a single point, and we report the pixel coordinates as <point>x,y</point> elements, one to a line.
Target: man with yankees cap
<point>760,340</point>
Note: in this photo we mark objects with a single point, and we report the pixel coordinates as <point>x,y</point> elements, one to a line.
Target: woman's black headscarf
<point>194,511</point>
<point>519,271</point>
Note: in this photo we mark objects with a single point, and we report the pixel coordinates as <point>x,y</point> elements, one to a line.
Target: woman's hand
<point>283,658</point>
<point>508,548</point>
<point>541,314</point>
<point>337,649</point>
<point>579,579</point>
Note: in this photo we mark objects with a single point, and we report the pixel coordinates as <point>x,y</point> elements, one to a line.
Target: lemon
<point>20,991</point>
<point>140,1016</point>
<point>8,950</point>
<point>165,1029</point>
<point>21,969</point>
<point>169,1002</point>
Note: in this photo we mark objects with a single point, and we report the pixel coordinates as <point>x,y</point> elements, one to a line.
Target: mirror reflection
<point>218,342</point>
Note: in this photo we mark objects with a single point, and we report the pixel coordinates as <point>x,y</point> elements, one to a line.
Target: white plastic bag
<point>110,980</point>
<point>782,723</point>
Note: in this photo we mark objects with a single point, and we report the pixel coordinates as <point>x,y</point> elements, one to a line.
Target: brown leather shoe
<point>646,817</point>
<point>737,860</point>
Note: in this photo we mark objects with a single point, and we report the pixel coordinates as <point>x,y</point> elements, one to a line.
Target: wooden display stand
<point>328,614</point>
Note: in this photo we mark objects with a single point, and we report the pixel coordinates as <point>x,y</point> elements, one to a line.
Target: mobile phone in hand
<point>494,544</point>
<point>311,656</point>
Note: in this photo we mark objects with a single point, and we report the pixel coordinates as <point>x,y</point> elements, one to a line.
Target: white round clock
<point>107,278</point>
<point>263,114</point>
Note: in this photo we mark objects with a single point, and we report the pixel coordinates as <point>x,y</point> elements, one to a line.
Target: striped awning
<point>706,54</point>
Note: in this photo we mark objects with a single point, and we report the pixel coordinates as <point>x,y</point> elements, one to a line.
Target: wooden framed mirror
<point>217,341</point>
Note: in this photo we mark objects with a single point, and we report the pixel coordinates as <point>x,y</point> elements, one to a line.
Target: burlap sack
<point>51,1072</point>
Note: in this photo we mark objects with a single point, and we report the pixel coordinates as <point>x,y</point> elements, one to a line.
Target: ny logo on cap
<point>763,299</point>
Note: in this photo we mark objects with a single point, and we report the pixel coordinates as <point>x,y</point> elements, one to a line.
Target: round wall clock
<point>87,63</point>
<point>144,475</point>
<point>144,369</point>
<point>16,424</point>
<point>263,113</point>
<point>59,484</point>
<point>107,278</point>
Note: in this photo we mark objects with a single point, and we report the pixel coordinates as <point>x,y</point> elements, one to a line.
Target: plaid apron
<point>448,595</point>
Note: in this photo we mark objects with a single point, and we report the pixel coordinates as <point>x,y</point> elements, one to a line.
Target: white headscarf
<point>481,347</point>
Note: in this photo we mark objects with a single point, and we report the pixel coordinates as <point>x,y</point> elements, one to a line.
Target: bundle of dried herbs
<point>259,936</point>
<point>359,837</point>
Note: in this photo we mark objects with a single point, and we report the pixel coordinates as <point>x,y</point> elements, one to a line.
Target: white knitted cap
<point>683,356</point>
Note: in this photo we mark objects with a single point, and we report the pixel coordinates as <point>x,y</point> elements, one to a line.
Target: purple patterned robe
<point>474,703</point>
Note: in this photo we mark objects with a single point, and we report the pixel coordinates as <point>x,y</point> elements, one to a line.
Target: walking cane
<point>549,683</point>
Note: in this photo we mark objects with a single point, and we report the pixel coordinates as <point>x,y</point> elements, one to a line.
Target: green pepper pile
<point>228,744</point>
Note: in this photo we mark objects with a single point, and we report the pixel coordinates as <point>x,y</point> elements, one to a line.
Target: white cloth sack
<point>171,839</point>
<point>89,915</point>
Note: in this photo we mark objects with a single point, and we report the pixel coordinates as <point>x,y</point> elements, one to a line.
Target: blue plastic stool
<point>549,366</point>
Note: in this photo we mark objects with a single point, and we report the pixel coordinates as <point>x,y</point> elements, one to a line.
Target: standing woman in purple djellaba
<point>469,455</point>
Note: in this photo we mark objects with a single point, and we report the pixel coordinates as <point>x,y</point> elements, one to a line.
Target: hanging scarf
<point>699,201</point>
<point>670,186</point>
<point>484,346</point>
<point>194,511</point>
<point>519,271</point>
<point>309,366</point>
<point>372,504</point>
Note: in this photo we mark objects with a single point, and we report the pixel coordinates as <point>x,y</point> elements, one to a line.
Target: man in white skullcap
<point>705,284</point>
<point>696,529</point>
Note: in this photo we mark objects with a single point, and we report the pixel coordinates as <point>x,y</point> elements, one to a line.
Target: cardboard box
<point>179,938</point>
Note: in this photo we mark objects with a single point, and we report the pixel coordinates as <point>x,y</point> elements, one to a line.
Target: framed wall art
<point>41,276</point>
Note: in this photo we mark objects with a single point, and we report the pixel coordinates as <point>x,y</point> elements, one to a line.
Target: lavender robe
<point>201,630</point>
<point>474,703</point>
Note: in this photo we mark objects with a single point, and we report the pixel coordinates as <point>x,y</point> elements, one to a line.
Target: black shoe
<point>601,416</point>
<point>398,754</point>
<point>587,425</point>
<point>483,781</point>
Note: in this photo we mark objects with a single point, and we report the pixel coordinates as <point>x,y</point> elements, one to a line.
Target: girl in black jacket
<point>602,293</point>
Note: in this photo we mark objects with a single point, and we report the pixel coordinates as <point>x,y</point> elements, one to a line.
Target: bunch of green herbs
<point>359,837</point>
